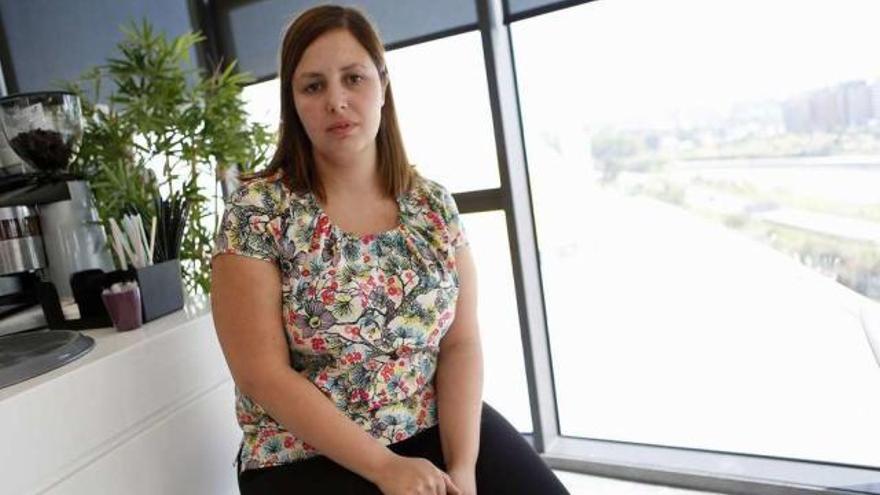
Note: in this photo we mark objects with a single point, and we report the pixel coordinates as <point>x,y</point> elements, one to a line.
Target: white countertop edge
<point>109,342</point>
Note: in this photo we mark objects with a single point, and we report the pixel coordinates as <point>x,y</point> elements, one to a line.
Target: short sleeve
<point>251,225</point>
<point>452,219</point>
<point>454,223</point>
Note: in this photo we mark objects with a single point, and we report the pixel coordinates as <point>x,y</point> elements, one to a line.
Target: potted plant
<point>166,135</point>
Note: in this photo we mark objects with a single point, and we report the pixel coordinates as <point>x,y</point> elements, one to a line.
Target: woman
<point>352,281</point>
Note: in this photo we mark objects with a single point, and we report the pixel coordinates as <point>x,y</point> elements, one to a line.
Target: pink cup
<point>124,308</point>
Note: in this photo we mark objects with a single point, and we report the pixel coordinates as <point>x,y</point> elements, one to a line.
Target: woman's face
<point>338,95</point>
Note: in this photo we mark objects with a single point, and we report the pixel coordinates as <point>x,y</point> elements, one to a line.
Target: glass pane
<point>261,103</point>
<point>442,102</point>
<point>707,198</point>
<point>505,386</point>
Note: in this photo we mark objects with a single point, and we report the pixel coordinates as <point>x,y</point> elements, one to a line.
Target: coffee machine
<point>49,227</point>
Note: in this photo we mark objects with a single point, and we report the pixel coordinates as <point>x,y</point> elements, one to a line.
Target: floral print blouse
<point>363,315</point>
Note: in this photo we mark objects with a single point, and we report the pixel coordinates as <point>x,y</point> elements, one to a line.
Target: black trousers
<point>506,465</point>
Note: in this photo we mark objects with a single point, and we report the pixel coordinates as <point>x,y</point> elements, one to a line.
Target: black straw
<point>171,219</point>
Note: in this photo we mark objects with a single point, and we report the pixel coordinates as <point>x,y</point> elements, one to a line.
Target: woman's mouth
<point>341,128</point>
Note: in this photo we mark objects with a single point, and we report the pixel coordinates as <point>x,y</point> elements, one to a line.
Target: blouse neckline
<point>319,212</point>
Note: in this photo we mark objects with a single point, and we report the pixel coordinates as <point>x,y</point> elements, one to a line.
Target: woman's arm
<point>459,378</point>
<point>246,304</point>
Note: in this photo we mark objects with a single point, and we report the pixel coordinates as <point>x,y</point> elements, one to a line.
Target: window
<point>505,386</point>
<point>443,107</point>
<point>705,190</point>
<point>261,103</point>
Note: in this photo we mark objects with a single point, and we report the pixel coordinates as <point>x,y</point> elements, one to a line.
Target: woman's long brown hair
<point>293,156</point>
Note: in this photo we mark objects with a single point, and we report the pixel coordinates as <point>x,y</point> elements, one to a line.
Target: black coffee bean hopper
<point>161,288</point>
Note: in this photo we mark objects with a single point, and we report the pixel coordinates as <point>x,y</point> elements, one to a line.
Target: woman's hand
<point>413,476</point>
<point>465,479</point>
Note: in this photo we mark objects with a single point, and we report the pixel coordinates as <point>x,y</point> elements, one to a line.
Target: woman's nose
<point>337,98</point>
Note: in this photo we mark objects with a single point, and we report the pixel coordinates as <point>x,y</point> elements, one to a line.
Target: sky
<point>636,59</point>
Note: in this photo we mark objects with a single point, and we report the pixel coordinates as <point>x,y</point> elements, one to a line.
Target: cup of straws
<point>130,241</point>
<point>134,248</point>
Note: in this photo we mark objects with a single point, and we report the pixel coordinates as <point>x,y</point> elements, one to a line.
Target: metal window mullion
<point>7,71</point>
<point>516,199</point>
<point>712,471</point>
<point>3,90</point>
<point>205,18</point>
<point>479,201</point>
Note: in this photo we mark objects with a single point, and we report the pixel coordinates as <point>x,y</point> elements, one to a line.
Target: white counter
<point>149,411</point>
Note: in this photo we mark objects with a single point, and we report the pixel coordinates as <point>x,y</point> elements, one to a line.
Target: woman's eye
<point>311,88</point>
<point>355,78</point>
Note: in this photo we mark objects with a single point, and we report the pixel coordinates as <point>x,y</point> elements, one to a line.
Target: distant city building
<point>859,104</point>
<point>828,110</point>
<point>851,104</point>
<point>796,115</point>
<point>875,100</point>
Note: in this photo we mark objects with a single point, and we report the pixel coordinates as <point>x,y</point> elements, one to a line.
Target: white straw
<point>134,238</point>
<point>135,258</point>
<point>121,241</point>
<point>143,239</point>
<point>152,240</point>
<point>117,248</point>
<point>126,229</point>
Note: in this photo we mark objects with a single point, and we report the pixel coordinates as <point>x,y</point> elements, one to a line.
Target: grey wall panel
<point>518,9</point>
<point>516,6</point>
<point>49,40</point>
<point>252,30</point>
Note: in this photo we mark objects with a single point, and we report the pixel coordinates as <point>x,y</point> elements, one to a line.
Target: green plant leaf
<point>165,111</point>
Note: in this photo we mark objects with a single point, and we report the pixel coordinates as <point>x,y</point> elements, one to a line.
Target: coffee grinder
<point>49,226</point>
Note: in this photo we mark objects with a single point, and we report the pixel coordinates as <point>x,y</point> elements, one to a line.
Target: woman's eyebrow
<point>355,65</point>
<point>308,75</point>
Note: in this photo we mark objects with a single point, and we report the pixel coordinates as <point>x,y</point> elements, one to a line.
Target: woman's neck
<point>351,176</point>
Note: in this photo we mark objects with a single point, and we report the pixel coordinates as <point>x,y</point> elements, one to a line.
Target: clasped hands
<point>401,475</point>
